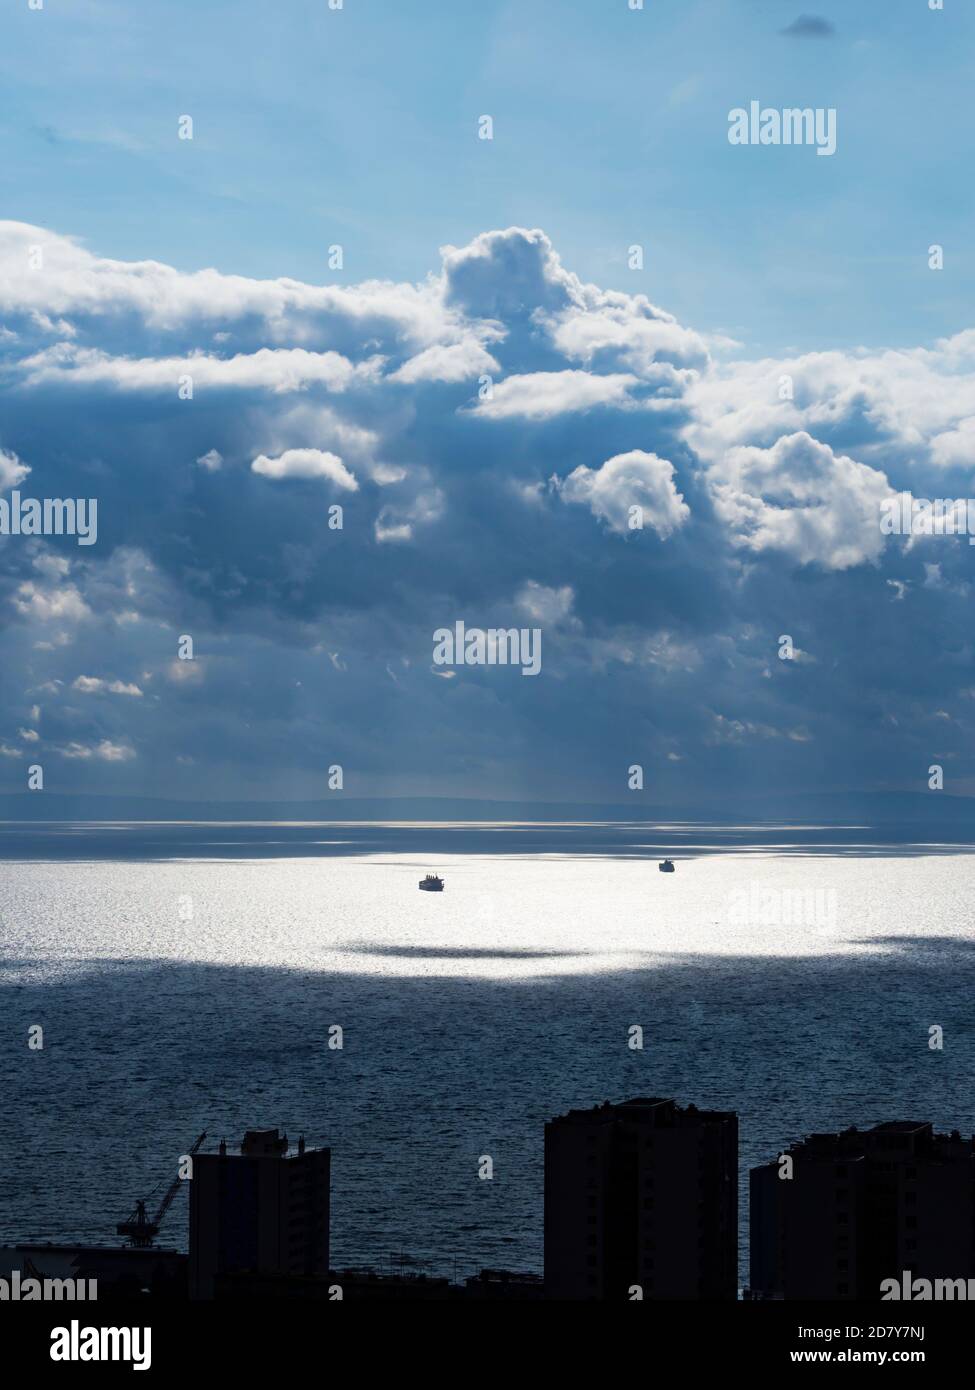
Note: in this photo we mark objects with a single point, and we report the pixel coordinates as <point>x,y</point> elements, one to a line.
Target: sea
<point>192,977</point>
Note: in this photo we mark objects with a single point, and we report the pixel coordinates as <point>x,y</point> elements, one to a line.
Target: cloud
<point>448,362</point>
<point>901,405</point>
<point>94,685</point>
<point>273,369</point>
<point>398,522</point>
<point>506,506</point>
<point>506,275</point>
<point>627,483</point>
<point>12,471</point>
<point>105,751</point>
<point>306,463</point>
<point>541,604</point>
<point>955,447</point>
<point>100,293</point>
<point>809,26</point>
<point>114,752</point>
<point>800,498</point>
<point>47,603</point>
<point>542,395</point>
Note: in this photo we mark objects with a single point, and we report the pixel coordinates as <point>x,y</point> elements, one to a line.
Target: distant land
<point>842,808</point>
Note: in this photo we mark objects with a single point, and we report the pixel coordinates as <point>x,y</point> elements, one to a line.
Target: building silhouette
<point>641,1199</point>
<point>260,1211</point>
<point>861,1206</point>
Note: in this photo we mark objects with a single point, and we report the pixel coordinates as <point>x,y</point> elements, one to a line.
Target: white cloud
<point>306,463</point>
<point>105,751</point>
<point>12,470</point>
<point>909,404</point>
<point>634,479</point>
<point>541,604</point>
<point>212,461</point>
<point>542,395</point>
<point>802,499</point>
<point>278,370</point>
<point>50,604</point>
<point>628,327</point>
<point>114,752</point>
<point>185,672</point>
<point>448,362</point>
<point>955,447</point>
<point>77,283</point>
<point>396,523</point>
<point>94,685</point>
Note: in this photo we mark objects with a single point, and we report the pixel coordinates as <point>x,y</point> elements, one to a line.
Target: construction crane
<point>140,1230</point>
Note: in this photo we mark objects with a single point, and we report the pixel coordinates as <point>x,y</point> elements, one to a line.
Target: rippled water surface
<point>186,978</point>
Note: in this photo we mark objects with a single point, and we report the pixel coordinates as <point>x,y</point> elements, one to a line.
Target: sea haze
<point>186,977</point>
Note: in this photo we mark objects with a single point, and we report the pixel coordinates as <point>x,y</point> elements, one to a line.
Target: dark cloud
<point>810,26</point>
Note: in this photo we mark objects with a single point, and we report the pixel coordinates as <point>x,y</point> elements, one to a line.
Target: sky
<point>436,377</point>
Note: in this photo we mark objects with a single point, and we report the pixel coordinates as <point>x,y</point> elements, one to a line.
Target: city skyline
<point>640,1204</point>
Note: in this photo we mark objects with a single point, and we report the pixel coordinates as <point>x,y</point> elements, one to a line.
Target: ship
<point>431,884</point>
<point>666,866</point>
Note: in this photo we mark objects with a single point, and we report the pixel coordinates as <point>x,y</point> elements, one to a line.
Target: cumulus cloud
<point>506,275</point>
<point>893,404</point>
<point>955,447</point>
<point>763,475</point>
<point>800,498</point>
<point>82,287</point>
<point>635,480</point>
<point>306,463</point>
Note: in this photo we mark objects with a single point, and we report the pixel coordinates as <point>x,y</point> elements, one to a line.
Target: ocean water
<point>187,977</point>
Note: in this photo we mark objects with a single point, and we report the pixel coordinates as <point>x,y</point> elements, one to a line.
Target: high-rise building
<point>260,1210</point>
<point>641,1200</point>
<point>837,1214</point>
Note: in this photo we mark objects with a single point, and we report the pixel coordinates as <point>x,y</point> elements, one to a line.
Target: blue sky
<point>784,364</point>
<point>357,126</point>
